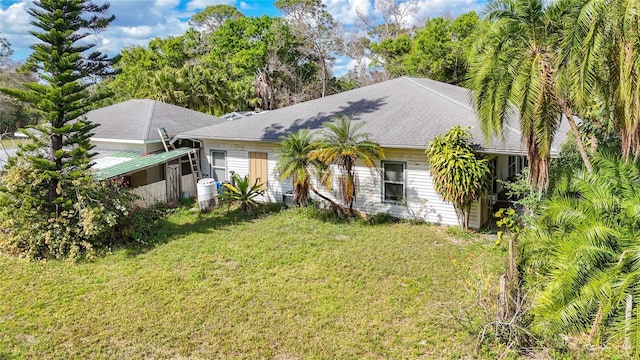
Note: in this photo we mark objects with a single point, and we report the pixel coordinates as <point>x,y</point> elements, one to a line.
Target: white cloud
<point>451,8</point>
<point>356,64</point>
<point>116,38</point>
<point>138,31</point>
<point>141,12</point>
<point>167,3</point>
<point>15,18</point>
<point>346,11</point>
<point>341,65</point>
<point>245,6</point>
<point>131,27</point>
<point>201,4</point>
<point>14,26</point>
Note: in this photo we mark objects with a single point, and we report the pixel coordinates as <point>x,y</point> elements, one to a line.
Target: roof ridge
<point>466,106</point>
<point>147,124</point>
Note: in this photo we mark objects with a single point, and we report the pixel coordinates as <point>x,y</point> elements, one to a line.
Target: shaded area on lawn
<point>198,222</point>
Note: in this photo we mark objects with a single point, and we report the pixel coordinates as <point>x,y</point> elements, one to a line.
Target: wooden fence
<point>151,194</point>
<point>157,192</point>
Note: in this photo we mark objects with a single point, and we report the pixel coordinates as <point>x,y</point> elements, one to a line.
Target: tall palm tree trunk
<point>337,207</point>
<point>576,133</point>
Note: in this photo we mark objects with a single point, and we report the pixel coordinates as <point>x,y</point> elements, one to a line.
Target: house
<point>402,115</point>
<point>129,145</point>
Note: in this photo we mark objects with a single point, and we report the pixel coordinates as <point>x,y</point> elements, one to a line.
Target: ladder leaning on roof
<point>194,162</point>
<point>166,139</point>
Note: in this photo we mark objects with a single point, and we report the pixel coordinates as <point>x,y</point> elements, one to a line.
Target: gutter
<point>124,141</point>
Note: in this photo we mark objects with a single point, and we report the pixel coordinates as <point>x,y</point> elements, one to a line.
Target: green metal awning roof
<point>138,162</point>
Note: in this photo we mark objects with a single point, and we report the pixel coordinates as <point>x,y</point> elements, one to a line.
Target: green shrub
<point>580,255</point>
<point>242,193</point>
<point>139,225</point>
<point>381,219</point>
<point>89,212</point>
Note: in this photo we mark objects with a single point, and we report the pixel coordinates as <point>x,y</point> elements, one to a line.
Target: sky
<point>138,21</point>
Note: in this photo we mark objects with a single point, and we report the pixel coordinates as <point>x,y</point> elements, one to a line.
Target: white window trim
<point>403,182</point>
<point>211,167</point>
<point>515,165</point>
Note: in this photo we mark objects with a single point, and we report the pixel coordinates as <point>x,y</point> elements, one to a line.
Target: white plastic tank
<point>207,194</point>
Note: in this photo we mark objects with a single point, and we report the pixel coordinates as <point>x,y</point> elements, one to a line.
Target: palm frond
<point>584,252</point>
<point>345,146</point>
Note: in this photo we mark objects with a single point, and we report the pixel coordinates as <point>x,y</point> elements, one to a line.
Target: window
<point>493,164</point>
<point>219,165</point>
<point>393,179</point>
<point>516,164</point>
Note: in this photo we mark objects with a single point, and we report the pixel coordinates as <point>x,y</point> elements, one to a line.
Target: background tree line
<point>228,62</point>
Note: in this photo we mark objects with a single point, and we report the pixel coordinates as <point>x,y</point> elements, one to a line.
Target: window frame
<point>403,182</point>
<point>515,165</point>
<point>211,167</point>
<point>493,163</point>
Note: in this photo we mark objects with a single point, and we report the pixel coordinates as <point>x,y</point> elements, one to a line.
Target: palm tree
<point>603,48</point>
<point>206,90</point>
<point>193,86</point>
<point>583,249</point>
<point>159,85</point>
<point>344,146</point>
<point>295,163</point>
<point>513,75</point>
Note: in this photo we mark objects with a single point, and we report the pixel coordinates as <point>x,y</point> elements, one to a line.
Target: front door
<point>258,168</point>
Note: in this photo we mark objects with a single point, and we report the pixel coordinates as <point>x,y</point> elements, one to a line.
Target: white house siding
<point>188,185</point>
<point>421,198</point>
<point>237,160</point>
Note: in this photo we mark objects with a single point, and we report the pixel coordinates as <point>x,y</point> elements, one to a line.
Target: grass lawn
<point>285,286</point>
<point>9,143</point>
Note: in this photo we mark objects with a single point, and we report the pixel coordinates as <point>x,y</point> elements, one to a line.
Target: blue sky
<point>138,21</point>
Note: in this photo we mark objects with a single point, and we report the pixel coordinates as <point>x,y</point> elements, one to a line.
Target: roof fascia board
<point>400,147</point>
<point>124,141</point>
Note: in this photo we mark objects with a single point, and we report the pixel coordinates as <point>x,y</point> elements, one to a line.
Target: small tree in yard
<point>460,176</point>
<point>295,163</point>
<point>50,203</point>
<point>242,193</point>
<point>344,145</point>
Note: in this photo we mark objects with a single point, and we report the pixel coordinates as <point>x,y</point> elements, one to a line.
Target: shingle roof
<point>139,120</point>
<point>134,162</point>
<point>406,112</point>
